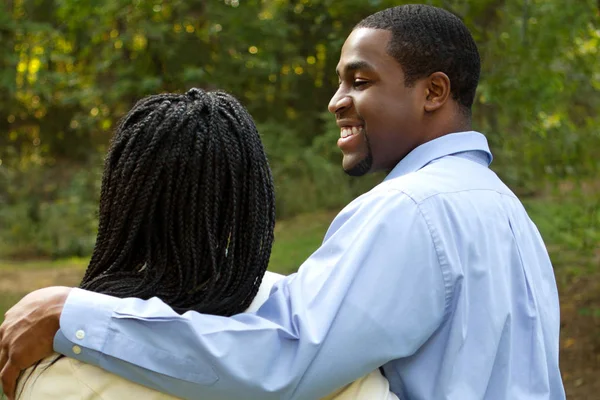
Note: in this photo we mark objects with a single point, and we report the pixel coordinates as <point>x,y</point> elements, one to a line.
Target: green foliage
<point>537,101</point>
<point>49,217</point>
<point>569,220</point>
<point>70,69</point>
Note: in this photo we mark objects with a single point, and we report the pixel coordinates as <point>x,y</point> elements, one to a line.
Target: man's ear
<point>437,91</point>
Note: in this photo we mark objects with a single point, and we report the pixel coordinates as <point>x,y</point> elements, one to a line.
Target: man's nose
<point>339,102</point>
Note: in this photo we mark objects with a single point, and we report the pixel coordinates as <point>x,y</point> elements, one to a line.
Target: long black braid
<point>187,206</point>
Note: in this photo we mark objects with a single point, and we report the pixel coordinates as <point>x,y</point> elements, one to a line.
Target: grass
<point>74,262</point>
<point>570,226</point>
<point>296,239</point>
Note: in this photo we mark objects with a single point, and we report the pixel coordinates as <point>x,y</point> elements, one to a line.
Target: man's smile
<point>350,137</point>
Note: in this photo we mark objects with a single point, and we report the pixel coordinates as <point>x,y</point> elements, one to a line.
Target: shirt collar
<point>470,143</point>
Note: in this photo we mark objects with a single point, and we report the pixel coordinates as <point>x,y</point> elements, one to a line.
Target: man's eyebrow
<point>355,66</point>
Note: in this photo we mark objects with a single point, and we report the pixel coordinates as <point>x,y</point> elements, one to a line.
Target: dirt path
<point>580,337</point>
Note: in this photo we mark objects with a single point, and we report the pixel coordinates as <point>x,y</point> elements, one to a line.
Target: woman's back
<point>69,379</point>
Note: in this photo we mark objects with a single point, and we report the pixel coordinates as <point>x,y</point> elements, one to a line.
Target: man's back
<point>499,337</point>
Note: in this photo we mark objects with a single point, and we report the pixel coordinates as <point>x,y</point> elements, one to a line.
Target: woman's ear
<point>438,91</point>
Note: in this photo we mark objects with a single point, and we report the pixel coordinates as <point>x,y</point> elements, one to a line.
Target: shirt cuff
<point>84,324</point>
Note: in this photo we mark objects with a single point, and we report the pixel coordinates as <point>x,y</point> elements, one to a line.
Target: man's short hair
<point>428,39</point>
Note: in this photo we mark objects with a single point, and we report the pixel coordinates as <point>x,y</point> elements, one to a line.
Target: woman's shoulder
<point>373,386</point>
<point>269,279</point>
<point>51,379</point>
<point>69,379</point>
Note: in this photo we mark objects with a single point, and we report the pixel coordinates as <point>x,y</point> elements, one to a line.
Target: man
<point>437,274</point>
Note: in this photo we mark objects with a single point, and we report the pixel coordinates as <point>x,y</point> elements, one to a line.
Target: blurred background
<point>70,69</point>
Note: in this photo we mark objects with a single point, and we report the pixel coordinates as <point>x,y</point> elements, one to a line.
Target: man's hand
<point>27,333</point>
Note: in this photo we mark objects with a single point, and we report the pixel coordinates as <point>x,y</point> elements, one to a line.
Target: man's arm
<point>372,293</point>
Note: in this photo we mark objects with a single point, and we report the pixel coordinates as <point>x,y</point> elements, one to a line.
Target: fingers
<point>8,372</point>
<point>3,356</point>
<point>8,377</point>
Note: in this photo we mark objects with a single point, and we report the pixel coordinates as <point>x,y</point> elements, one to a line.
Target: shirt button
<point>80,334</point>
<point>76,349</point>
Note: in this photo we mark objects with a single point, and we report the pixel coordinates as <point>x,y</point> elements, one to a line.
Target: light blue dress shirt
<point>437,274</point>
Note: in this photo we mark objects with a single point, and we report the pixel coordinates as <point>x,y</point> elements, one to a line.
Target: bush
<point>49,211</point>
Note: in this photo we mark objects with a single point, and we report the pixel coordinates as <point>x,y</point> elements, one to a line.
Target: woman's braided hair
<point>187,207</point>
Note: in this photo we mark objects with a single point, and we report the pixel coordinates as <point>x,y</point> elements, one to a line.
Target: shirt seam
<point>436,245</point>
<point>192,377</point>
<point>419,202</point>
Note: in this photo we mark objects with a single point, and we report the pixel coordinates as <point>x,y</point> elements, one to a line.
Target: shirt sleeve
<point>373,292</point>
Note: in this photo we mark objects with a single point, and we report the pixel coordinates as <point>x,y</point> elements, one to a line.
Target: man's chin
<point>359,168</point>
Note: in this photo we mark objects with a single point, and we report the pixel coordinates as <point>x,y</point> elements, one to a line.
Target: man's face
<point>379,117</point>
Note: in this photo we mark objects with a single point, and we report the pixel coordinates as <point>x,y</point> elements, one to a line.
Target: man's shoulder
<point>447,176</point>
<point>442,179</point>
<point>382,203</point>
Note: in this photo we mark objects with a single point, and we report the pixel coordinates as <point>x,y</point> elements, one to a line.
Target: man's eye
<point>359,82</point>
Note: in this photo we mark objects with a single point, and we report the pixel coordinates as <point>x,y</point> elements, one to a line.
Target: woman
<point>187,213</point>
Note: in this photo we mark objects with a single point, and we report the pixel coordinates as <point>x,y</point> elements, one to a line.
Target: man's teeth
<point>349,131</point>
